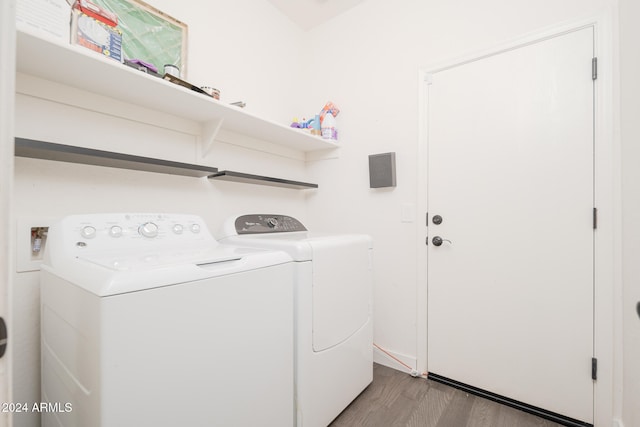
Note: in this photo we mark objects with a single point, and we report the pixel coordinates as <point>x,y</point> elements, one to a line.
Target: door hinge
<point>595,218</point>
<point>594,368</point>
<point>594,68</point>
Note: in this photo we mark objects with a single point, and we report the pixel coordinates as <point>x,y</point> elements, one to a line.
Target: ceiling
<point>310,13</point>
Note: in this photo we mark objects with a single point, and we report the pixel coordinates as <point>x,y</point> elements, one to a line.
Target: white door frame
<point>7,96</point>
<point>607,200</point>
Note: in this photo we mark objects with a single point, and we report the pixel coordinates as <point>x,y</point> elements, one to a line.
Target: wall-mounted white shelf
<point>80,68</point>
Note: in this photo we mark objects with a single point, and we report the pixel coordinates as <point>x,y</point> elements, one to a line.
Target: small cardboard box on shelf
<point>96,34</point>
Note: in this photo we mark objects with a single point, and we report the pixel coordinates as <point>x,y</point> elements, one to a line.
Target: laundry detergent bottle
<point>329,127</point>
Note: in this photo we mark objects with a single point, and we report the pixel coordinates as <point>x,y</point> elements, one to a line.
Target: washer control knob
<point>148,229</point>
<point>88,232</point>
<point>195,228</point>
<point>178,229</point>
<point>115,231</point>
<point>272,222</point>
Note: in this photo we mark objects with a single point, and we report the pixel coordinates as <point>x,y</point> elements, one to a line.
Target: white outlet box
<point>26,258</point>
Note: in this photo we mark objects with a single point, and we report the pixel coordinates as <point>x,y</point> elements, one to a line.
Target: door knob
<point>3,337</point>
<point>438,241</point>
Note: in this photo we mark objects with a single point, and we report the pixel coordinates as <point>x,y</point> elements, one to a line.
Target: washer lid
<point>110,275</point>
<point>151,260</point>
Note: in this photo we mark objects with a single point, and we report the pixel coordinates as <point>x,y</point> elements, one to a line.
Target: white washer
<point>148,321</point>
<point>334,327</point>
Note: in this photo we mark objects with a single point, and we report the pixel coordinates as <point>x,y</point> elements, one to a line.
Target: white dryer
<point>334,326</point>
<point>148,321</point>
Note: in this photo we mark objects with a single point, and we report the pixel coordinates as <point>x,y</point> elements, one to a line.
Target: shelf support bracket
<point>210,131</point>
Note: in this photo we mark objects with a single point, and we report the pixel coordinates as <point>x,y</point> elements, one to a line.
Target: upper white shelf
<point>80,68</point>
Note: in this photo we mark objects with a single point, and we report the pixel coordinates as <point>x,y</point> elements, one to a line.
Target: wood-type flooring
<point>395,399</point>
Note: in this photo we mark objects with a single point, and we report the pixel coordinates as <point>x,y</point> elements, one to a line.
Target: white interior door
<point>510,171</point>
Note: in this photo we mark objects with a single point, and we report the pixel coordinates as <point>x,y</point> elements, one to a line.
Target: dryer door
<point>342,288</point>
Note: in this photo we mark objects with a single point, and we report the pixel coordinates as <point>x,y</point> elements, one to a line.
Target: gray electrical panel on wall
<point>382,170</point>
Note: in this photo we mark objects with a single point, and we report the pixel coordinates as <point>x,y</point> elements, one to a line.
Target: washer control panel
<point>114,232</point>
<point>133,225</point>
<point>265,223</point>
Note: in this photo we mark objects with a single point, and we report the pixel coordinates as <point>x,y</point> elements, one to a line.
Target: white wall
<point>371,72</point>
<point>247,49</point>
<point>630,136</point>
<point>367,62</point>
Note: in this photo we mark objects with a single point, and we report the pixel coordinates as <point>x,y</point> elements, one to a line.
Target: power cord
<point>414,373</point>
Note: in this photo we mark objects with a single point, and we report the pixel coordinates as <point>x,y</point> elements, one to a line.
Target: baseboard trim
<point>543,413</point>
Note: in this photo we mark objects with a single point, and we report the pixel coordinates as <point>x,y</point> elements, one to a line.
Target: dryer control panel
<point>265,223</point>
